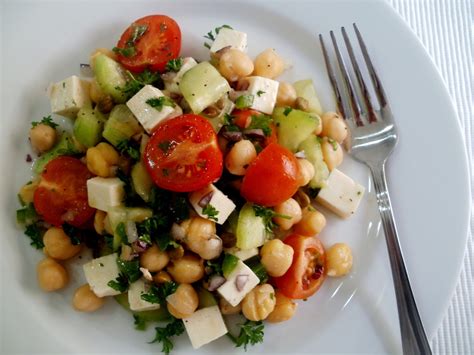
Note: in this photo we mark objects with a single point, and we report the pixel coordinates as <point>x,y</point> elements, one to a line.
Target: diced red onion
<point>139,246</point>
<point>131,231</point>
<point>241,281</point>
<point>177,232</point>
<point>301,154</point>
<point>232,136</point>
<point>205,199</point>
<point>254,133</point>
<point>215,282</point>
<point>146,274</point>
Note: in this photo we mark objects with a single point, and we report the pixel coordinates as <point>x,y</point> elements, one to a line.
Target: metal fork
<point>373,137</point>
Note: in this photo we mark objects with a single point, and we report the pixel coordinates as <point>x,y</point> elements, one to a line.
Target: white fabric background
<point>445,27</point>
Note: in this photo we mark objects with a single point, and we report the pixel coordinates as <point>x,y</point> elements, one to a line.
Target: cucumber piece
<point>203,85</point>
<point>88,126</point>
<point>119,215</point>
<point>306,90</point>
<point>294,127</point>
<point>121,125</point>
<point>110,77</point>
<point>65,146</point>
<point>157,315</point>
<point>314,154</point>
<point>206,298</point>
<point>141,180</point>
<point>250,231</point>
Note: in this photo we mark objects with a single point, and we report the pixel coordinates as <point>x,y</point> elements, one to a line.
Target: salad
<point>195,185</point>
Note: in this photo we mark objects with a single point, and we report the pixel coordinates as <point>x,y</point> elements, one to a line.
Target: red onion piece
<point>300,155</point>
<point>215,282</point>
<point>205,199</point>
<point>139,246</point>
<point>232,136</point>
<point>241,281</point>
<point>255,133</point>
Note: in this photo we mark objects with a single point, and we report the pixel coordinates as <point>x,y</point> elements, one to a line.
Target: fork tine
<point>373,74</point>
<point>356,109</point>
<point>332,79</point>
<point>363,87</point>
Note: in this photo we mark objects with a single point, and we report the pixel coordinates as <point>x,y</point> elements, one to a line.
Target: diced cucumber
<point>88,126</point>
<point>313,152</point>
<point>110,77</point>
<point>118,215</point>
<point>206,299</point>
<point>294,126</point>
<point>306,90</point>
<point>65,146</point>
<point>250,230</point>
<point>141,180</point>
<point>121,125</point>
<point>203,85</point>
<point>157,315</point>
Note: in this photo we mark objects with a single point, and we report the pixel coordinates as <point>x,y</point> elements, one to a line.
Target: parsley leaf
<point>334,144</point>
<point>27,215</point>
<point>251,333</point>
<point>129,50</point>
<point>129,269</point>
<point>257,267</point>
<point>210,35</point>
<point>165,146</point>
<point>174,64</point>
<point>140,323</point>
<point>131,197</point>
<point>214,267</point>
<point>260,93</point>
<point>163,334</point>
<point>35,232</point>
<point>48,121</point>
<point>158,294</point>
<point>151,226</point>
<point>228,119</point>
<point>136,82</point>
<point>120,284</point>
<point>129,147</point>
<point>262,122</point>
<point>244,101</point>
<point>267,215</point>
<point>120,231</point>
<point>165,241</point>
<point>229,264</point>
<point>171,206</point>
<point>210,211</point>
<point>160,102</point>
<point>73,233</point>
<point>287,111</point>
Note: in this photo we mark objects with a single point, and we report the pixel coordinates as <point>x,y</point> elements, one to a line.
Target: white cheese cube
<point>149,116</point>
<point>135,292</point>
<point>241,274</point>
<point>264,93</point>
<point>105,193</point>
<point>172,85</point>
<point>215,198</point>
<point>341,194</point>
<point>99,272</point>
<point>228,37</point>
<point>68,96</point>
<point>242,254</point>
<point>204,326</point>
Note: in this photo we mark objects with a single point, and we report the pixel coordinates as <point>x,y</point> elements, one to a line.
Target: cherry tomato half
<point>272,177</point>
<point>61,196</point>
<point>243,119</point>
<point>307,272</point>
<point>183,155</point>
<point>160,42</point>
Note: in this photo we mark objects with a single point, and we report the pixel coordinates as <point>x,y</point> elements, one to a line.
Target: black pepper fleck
<point>28,158</point>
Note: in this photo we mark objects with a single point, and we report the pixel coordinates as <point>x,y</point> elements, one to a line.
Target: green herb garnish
<point>334,144</point>
<point>139,322</point>
<point>174,64</point>
<point>35,232</point>
<point>211,212</point>
<point>48,121</point>
<point>74,233</point>
<point>229,264</point>
<point>210,35</point>
<point>244,101</point>
<point>163,334</point>
<point>136,82</point>
<point>129,50</point>
<point>287,111</point>
<point>26,215</point>
<point>165,146</point>
<point>260,93</point>
<point>262,122</point>
<point>129,147</point>
<point>120,231</point>
<point>130,269</point>
<point>158,294</point>
<point>258,269</point>
<point>160,102</point>
<point>251,333</point>
<point>120,284</point>
<point>267,215</point>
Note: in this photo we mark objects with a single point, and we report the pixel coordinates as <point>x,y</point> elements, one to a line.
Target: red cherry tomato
<point>272,177</point>
<point>183,155</point>
<point>243,118</point>
<point>307,272</point>
<point>160,42</point>
<point>61,196</point>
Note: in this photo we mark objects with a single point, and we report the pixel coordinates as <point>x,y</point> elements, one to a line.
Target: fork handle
<point>414,339</point>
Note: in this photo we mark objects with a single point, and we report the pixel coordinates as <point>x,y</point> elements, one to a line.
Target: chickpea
<point>240,156</point>
<point>276,257</point>
<point>162,277</point>
<point>338,260</point>
<point>84,300</point>
<point>312,223</point>
<point>52,276</point>
<point>269,64</point>
<point>42,137</point>
<point>227,309</point>
<point>259,303</point>
<point>235,64</point>
<point>306,170</point>
<point>183,302</point>
<point>188,269</point>
<point>99,222</point>
<point>27,191</point>
<point>95,92</point>
<point>332,153</point>
<point>285,308</point>
<point>291,212</point>
<point>334,127</point>
<point>154,259</point>
<point>101,159</point>
<point>201,237</point>
<point>98,51</point>
<point>58,245</point>
<point>286,95</point>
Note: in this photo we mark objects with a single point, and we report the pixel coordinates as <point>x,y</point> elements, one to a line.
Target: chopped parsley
<point>120,231</point>
<point>210,35</point>
<point>165,241</point>
<point>160,102</point>
<point>26,215</point>
<point>334,144</point>
<point>244,101</point>
<point>262,122</point>
<point>260,93</point>
<point>130,269</point>
<point>257,268</point>
<point>35,232</point>
<point>129,50</point>
<point>129,147</point>
<point>163,334</point>
<point>267,215</point>
<point>120,284</point>
<point>139,322</point>
<point>287,111</point>
<point>229,264</point>
<point>210,211</point>
<point>251,333</point>
<point>165,146</point>
<point>214,267</point>
<point>136,82</point>
<point>174,64</point>
<point>158,294</point>
<point>228,119</point>
<point>74,233</point>
<point>48,121</point>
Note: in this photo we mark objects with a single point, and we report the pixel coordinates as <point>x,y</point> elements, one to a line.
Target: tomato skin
<point>61,196</point>
<point>292,284</point>
<point>160,43</point>
<point>272,177</point>
<point>183,155</point>
<point>243,118</point>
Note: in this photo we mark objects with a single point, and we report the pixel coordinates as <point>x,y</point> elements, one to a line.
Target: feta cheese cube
<point>242,254</point>
<point>228,37</point>
<point>341,194</point>
<point>135,292</point>
<point>172,85</point>
<point>99,272</point>
<point>149,116</point>
<point>67,97</point>
<point>204,326</point>
<point>214,198</point>
<point>241,274</point>
<point>105,193</point>
<point>264,93</point>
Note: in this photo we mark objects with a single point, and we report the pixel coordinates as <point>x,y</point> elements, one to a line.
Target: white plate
<point>46,41</point>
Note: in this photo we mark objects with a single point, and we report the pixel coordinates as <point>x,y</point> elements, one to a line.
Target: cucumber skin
<point>121,125</point>
<point>65,146</point>
<point>250,231</point>
<point>123,214</point>
<point>89,126</point>
<point>142,182</point>
<point>110,77</point>
<point>314,154</point>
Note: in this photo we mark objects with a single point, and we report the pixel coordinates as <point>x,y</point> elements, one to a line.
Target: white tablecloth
<point>446,29</point>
